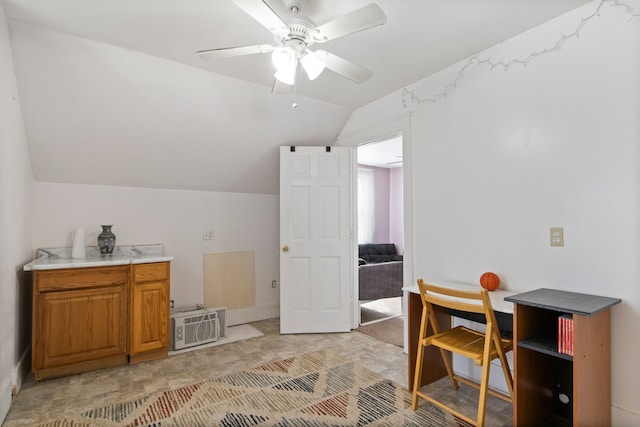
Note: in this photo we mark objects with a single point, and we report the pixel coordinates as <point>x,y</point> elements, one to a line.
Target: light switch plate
<point>556,236</point>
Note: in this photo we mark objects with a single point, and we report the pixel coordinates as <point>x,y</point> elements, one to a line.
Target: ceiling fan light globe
<point>312,66</point>
<point>283,58</point>
<point>287,77</point>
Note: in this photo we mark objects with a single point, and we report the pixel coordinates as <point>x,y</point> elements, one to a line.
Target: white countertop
<point>497,296</point>
<point>59,258</point>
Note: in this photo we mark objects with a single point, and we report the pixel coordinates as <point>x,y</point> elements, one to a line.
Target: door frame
<point>398,126</point>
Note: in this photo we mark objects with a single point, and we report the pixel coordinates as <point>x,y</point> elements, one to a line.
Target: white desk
<point>433,367</point>
<point>497,296</point>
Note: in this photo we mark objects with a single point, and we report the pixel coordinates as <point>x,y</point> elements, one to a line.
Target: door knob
<point>285,248</point>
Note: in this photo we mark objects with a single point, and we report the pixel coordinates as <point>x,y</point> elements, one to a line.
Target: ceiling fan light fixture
<point>283,58</point>
<point>287,75</point>
<point>312,65</point>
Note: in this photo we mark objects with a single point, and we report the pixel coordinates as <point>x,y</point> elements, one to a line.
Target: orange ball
<point>490,281</point>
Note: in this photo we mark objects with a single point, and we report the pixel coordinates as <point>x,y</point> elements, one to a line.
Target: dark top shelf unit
<point>543,375</point>
<point>564,302</point>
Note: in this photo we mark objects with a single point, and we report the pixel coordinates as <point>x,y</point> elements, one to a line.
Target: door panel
<point>316,241</point>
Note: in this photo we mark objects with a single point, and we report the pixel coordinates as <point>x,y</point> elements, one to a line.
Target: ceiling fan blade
<point>228,52</point>
<point>358,20</point>
<point>348,69</point>
<point>262,12</point>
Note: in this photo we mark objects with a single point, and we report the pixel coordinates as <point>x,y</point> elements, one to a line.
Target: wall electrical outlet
<point>207,235</point>
<point>556,236</point>
<point>273,283</point>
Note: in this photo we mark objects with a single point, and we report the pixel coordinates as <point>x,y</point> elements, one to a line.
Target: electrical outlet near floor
<point>556,236</point>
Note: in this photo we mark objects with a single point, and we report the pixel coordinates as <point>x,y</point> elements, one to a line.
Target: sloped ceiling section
<point>101,114</point>
<point>113,93</point>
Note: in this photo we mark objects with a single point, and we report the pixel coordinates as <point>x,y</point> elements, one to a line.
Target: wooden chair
<point>482,348</point>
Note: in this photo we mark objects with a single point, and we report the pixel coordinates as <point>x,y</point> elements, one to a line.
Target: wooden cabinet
<point>91,318</point>
<point>552,388</point>
<point>149,312</point>
<point>79,320</point>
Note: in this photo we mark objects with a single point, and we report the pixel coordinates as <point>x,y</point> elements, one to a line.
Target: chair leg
<point>482,401</point>
<point>484,382</point>
<point>417,377</point>
<point>443,353</point>
<point>507,372</point>
<point>449,369</point>
<point>505,365</point>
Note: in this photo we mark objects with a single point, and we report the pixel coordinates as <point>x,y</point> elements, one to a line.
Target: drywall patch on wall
<point>229,279</point>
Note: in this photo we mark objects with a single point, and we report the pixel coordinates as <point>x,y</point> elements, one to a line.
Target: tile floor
<point>37,403</point>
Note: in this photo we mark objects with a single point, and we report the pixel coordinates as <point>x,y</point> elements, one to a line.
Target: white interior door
<point>315,239</point>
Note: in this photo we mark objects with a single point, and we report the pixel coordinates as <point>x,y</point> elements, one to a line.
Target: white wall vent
<point>191,327</point>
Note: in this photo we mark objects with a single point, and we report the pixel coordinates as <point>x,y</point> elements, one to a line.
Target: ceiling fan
<point>295,33</point>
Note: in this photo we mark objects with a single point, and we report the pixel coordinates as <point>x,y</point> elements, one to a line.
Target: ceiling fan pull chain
<point>295,104</point>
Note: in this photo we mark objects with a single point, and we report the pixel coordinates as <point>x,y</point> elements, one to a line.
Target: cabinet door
<point>149,317</point>
<point>80,325</point>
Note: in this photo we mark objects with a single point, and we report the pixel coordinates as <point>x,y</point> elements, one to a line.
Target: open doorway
<point>380,230</point>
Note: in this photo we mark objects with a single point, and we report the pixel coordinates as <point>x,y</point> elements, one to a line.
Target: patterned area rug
<point>314,389</point>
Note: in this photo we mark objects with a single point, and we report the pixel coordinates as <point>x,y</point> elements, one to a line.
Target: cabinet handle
<point>285,248</point>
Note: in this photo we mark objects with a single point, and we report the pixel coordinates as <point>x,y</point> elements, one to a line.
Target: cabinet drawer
<point>150,272</point>
<point>78,278</point>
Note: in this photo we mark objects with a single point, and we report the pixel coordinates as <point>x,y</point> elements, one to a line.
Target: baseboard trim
<point>12,385</point>
<point>6,395</point>
<point>22,369</point>
<point>624,417</point>
<point>240,316</point>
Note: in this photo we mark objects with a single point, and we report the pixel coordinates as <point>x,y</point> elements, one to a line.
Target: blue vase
<point>106,240</point>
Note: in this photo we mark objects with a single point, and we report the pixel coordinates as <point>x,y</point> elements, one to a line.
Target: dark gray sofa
<point>379,271</point>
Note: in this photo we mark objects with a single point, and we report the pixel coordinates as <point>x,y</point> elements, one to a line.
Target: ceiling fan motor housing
<point>300,35</point>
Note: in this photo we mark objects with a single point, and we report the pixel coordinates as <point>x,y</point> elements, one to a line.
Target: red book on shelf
<point>560,334</point>
<point>570,336</point>
<point>564,339</point>
<point>565,334</point>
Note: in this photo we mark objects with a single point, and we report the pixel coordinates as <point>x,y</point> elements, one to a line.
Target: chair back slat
<point>456,299</point>
<point>455,304</point>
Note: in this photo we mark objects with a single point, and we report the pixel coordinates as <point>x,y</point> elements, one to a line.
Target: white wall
<point>381,203</point>
<point>388,200</point>
<point>176,219</point>
<point>15,229</point>
<point>509,153</point>
<point>396,214</point>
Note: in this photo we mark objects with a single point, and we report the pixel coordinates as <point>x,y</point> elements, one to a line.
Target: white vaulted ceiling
<point>113,93</point>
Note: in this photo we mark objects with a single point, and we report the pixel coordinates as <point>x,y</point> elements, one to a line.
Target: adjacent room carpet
<point>389,330</point>
<point>317,389</point>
